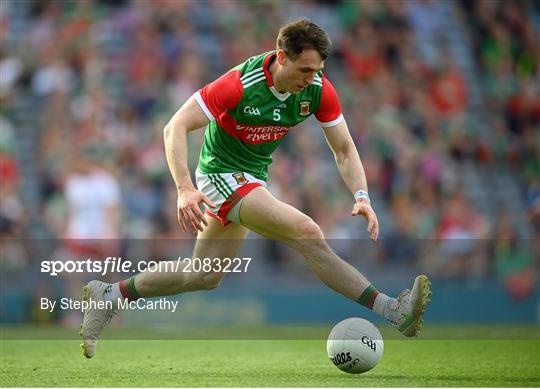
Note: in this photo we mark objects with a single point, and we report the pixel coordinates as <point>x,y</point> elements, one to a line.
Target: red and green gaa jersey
<point>249,117</point>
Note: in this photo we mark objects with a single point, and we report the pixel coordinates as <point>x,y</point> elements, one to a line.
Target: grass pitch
<point>266,363</point>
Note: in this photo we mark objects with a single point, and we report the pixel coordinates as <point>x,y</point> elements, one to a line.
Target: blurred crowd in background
<point>442,99</point>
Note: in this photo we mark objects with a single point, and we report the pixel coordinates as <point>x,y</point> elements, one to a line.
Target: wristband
<point>361,194</point>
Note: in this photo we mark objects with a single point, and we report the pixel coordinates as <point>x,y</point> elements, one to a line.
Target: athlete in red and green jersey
<point>247,112</point>
<point>249,117</point>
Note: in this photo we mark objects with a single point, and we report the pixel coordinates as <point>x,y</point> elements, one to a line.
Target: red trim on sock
<point>371,300</point>
<point>124,291</point>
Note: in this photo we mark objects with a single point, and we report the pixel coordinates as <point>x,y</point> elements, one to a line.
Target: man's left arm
<point>352,171</point>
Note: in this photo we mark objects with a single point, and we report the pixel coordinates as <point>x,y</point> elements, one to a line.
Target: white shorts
<point>227,191</point>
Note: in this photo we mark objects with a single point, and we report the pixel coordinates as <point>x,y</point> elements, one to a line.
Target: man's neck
<point>273,69</point>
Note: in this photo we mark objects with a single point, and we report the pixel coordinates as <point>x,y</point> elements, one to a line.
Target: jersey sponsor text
<point>260,134</point>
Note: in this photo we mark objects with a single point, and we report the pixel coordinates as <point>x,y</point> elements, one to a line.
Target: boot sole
<point>85,297</point>
<point>416,325</point>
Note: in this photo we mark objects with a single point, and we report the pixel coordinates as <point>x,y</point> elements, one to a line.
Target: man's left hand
<point>363,207</point>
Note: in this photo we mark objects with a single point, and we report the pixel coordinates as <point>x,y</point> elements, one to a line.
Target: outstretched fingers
<point>190,215</point>
<point>181,220</point>
<point>373,225</point>
<point>364,209</point>
<point>196,217</point>
<point>207,201</point>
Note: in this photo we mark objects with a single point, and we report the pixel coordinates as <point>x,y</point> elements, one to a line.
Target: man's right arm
<point>204,106</point>
<point>188,118</point>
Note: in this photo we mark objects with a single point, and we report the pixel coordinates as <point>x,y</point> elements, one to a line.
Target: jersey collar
<point>270,80</point>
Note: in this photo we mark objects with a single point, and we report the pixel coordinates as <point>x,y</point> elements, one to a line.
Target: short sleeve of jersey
<point>220,95</point>
<point>329,112</point>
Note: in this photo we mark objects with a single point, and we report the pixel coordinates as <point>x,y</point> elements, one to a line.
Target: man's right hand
<point>189,211</point>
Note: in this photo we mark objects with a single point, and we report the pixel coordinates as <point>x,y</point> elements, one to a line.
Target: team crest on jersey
<point>240,178</point>
<point>304,108</point>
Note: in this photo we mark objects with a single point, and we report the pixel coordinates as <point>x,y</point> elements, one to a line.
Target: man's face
<point>298,74</point>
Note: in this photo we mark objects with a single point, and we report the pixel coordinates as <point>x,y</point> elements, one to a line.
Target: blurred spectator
<point>463,232</point>
<point>533,208</point>
<point>447,91</point>
<point>11,205</point>
<point>401,247</point>
<point>92,229</point>
<point>513,257</point>
<point>95,213</point>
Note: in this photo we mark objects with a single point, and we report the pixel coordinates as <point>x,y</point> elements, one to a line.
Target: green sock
<point>368,297</point>
<point>127,289</point>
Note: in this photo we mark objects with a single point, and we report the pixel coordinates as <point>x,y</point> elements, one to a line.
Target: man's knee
<point>309,239</point>
<point>308,230</point>
<point>209,281</point>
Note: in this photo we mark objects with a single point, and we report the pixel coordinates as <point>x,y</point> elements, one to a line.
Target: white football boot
<point>94,319</point>
<point>410,307</point>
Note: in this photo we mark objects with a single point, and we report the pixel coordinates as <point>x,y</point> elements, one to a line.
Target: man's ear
<point>281,56</point>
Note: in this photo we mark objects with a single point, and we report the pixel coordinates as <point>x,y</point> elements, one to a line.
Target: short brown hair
<point>302,34</point>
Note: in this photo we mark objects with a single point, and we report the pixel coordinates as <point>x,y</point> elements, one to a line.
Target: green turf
<point>270,332</point>
<point>274,363</point>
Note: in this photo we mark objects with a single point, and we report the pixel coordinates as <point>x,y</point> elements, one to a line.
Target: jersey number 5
<point>277,114</point>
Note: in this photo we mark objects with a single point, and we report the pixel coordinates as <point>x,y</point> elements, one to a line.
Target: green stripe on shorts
<point>218,186</point>
<point>233,194</point>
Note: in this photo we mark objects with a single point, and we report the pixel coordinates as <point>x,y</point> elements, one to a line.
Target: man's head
<point>302,48</point>
<point>298,35</point>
